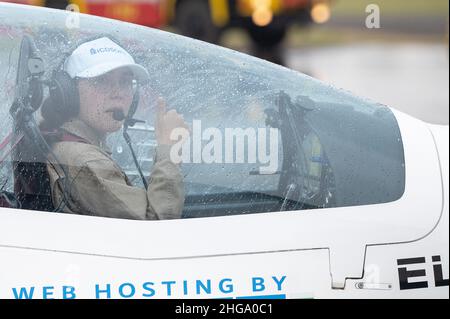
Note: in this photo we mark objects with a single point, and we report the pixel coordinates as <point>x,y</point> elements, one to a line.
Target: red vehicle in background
<point>144,12</point>
<point>265,20</point>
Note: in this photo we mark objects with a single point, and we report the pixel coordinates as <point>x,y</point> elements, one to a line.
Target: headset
<point>63,101</point>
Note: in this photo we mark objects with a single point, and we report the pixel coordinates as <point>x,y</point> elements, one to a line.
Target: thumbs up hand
<point>166,122</point>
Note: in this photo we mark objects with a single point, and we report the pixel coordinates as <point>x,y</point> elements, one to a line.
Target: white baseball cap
<point>100,56</point>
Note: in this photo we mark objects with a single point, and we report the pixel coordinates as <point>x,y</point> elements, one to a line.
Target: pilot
<point>97,81</point>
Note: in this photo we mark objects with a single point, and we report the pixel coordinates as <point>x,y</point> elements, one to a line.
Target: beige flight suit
<point>98,186</point>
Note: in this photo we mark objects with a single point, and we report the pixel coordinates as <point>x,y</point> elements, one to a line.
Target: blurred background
<point>391,51</point>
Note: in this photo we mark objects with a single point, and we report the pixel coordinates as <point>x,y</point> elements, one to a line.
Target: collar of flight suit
<point>81,129</point>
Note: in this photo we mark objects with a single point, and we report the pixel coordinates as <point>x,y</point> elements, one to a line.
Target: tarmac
<point>411,77</point>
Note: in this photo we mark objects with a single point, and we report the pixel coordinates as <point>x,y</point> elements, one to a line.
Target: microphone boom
<point>118,115</point>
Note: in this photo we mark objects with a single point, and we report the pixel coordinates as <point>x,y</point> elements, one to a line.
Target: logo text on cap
<point>105,50</point>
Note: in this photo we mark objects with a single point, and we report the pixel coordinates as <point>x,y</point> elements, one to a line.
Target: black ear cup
<point>63,102</point>
<point>64,92</point>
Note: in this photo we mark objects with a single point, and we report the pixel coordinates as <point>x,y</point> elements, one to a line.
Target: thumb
<point>161,108</point>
